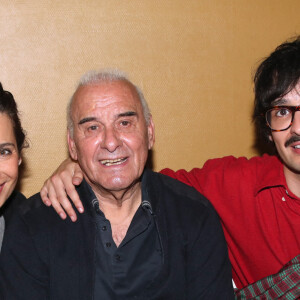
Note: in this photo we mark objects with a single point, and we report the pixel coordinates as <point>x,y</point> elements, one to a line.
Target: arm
<point>59,184</point>
<point>208,267</point>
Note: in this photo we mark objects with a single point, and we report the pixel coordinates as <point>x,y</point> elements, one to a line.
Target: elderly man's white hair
<point>102,76</point>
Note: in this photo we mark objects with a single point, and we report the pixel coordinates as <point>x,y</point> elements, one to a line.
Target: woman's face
<point>9,158</point>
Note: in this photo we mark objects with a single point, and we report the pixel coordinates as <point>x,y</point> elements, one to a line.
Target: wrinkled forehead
<point>121,93</point>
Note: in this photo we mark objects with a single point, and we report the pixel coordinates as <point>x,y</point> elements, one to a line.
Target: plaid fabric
<point>283,285</point>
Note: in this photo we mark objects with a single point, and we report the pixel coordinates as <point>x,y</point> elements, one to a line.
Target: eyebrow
<point>125,114</point>
<point>281,101</point>
<point>85,120</point>
<point>7,144</point>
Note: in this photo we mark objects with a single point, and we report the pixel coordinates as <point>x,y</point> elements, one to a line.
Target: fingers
<point>53,198</point>
<point>54,193</point>
<point>49,198</point>
<point>78,176</point>
<point>44,195</point>
<point>72,193</point>
<point>59,186</point>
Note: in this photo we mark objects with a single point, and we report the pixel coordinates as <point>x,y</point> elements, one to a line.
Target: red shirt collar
<point>272,176</point>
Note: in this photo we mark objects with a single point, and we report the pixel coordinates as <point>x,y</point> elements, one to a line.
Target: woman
<point>12,141</point>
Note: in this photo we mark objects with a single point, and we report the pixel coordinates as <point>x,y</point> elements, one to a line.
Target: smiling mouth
<point>113,162</point>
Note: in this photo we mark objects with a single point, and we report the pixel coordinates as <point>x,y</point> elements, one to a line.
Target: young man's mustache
<point>292,140</point>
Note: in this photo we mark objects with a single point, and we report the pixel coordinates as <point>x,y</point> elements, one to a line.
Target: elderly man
<point>144,236</point>
<point>257,199</point>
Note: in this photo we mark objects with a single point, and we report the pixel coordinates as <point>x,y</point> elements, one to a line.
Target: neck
<point>118,206</point>
<point>292,180</point>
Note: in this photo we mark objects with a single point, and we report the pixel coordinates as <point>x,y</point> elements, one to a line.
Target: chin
<point>296,170</point>
<point>293,167</point>
<point>118,184</point>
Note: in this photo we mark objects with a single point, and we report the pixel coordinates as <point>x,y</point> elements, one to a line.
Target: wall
<point>193,59</point>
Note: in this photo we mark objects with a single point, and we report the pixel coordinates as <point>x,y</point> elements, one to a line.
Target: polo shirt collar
<point>272,175</point>
<point>88,197</point>
<point>149,192</point>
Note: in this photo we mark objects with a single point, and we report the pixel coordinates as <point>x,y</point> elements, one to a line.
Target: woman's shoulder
<point>13,203</point>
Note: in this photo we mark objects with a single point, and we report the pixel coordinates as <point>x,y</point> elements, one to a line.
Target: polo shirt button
<point>103,228</point>
<point>117,257</point>
<point>108,245</point>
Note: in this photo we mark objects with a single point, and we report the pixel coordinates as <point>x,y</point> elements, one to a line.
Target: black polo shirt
<point>125,271</point>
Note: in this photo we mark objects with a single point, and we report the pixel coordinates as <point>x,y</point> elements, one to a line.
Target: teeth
<point>297,146</point>
<point>110,162</point>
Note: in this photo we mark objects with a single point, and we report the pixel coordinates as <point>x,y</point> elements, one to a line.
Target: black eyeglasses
<point>280,118</point>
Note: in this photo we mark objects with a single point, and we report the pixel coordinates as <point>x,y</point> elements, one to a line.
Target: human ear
<point>151,133</point>
<point>72,146</point>
<point>270,138</point>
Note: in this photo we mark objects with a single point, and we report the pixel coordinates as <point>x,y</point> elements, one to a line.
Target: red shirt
<point>259,214</point>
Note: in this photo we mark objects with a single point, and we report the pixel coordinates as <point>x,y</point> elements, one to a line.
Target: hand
<point>55,189</point>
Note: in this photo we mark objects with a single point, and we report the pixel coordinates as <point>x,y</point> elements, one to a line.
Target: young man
<point>258,200</point>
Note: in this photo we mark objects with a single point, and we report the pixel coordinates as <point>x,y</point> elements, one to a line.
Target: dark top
<point>44,257</point>
<point>7,210</point>
<point>15,200</point>
<point>122,271</point>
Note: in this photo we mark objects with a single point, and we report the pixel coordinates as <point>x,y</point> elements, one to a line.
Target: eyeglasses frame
<point>293,109</point>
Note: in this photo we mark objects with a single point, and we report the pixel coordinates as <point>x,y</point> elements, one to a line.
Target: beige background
<point>194,60</point>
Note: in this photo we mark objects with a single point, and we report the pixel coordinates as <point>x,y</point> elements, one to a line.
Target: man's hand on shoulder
<point>60,185</point>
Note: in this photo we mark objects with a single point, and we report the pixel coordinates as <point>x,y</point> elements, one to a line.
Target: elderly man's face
<point>110,138</point>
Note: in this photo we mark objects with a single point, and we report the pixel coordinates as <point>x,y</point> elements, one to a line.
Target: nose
<point>111,140</point>
<point>295,128</point>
